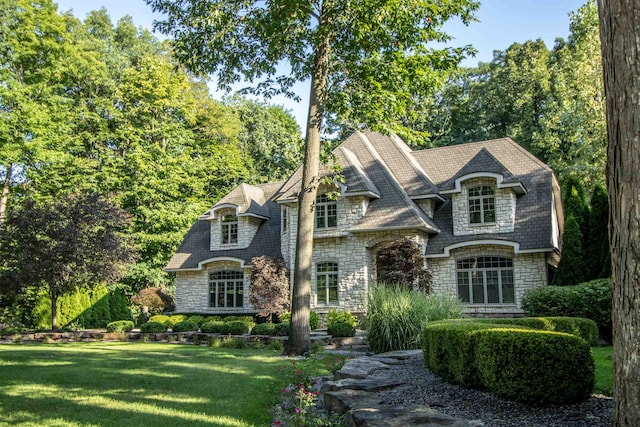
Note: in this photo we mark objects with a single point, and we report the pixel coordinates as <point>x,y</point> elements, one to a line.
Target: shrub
<point>591,300</point>
<point>281,329</point>
<point>395,316</point>
<point>335,317</point>
<point>212,319</point>
<point>314,319</point>
<point>580,327</point>
<point>155,299</point>
<point>120,326</point>
<point>263,329</point>
<point>535,366</point>
<point>275,345</point>
<point>176,318</point>
<point>153,327</point>
<point>248,320</point>
<point>341,329</point>
<point>184,326</point>
<point>269,289</point>
<point>198,320</point>
<point>214,327</point>
<point>160,318</point>
<point>237,327</point>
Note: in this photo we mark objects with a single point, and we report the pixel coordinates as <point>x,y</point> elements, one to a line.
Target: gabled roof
<point>246,199</point>
<point>195,248</point>
<point>483,164</point>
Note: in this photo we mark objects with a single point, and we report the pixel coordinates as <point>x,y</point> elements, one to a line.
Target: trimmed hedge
<point>263,329</point>
<point>314,319</point>
<point>535,366</point>
<point>184,326</point>
<point>512,361</point>
<point>237,327</point>
<point>334,317</point>
<point>160,318</point>
<point>120,326</point>
<point>153,327</point>
<point>197,319</point>
<point>580,327</point>
<point>591,300</point>
<point>341,329</point>
<point>214,327</point>
<point>281,329</point>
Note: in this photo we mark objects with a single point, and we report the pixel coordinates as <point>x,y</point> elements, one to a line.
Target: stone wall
<point>505,205</point>
<point>529,270</point>
<point>192,289</point>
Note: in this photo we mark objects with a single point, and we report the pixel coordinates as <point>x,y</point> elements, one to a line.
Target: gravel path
<point>423,387</point>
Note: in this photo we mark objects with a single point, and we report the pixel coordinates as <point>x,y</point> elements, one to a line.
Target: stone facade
<point>247,229</point>
<point>192,289</point>
<point>505,204</point>
<point>529,271</point>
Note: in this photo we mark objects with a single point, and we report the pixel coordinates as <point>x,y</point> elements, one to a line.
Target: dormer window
<point>482,205</point>
<point>326,212</point>
<point>229,229</point>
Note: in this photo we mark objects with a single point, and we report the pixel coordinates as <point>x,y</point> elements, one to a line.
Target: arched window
<point>327,282</point>
<point>229,229</point>
<point>485,280</point>
<point>326,212</point>
<point>226,289</point>
<point>482,205</point>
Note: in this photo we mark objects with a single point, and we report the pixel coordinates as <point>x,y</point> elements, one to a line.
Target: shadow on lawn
<point>135,384</point>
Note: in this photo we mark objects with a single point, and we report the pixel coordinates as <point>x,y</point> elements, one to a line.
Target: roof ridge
<point>408,155</point>
<point>410,204</point>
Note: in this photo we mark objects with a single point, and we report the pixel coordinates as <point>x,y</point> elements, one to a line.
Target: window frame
<point>327,279</point>
<point>326,215</point>
<point>226,283</point>
<point>284,213</point>
<point>482,205</point>
<point>484,273</point>
<point>229,229</point>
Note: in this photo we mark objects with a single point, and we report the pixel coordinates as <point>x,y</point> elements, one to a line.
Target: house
<point>488,216</point>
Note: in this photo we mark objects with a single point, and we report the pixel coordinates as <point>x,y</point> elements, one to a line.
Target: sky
<point>501,23</point>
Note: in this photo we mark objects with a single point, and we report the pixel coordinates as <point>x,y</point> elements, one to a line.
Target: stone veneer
<point>247,229</point>
<point>529,271</point>
<point>505,203</point>
<point>192,289</point>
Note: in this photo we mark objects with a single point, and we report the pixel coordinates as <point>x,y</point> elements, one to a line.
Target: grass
<point>604,370</point>
<point>116,384</point>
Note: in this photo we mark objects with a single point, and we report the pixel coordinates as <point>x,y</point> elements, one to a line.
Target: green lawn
<point>604,370</point>
<point>118,384</point>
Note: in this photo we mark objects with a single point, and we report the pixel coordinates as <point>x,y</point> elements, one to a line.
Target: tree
<point>572,268</point>
<point>364,59</point>
<point>64,245</point>
<point>597,248</point>
<point>401,263</point>
<point>619,33</point>
<point>269,289</point>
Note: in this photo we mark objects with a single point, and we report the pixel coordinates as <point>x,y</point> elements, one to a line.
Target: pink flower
<point>283,391</point>
<point>278,423</point>
<point>298,371</point>
<point>297,410</point>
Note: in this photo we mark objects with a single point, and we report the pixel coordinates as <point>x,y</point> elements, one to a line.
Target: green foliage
<point>214,327</point>
<point>263,329</point>
<point>275,345</point>
<point>237,327</point>
<point>174,319</point>
<point>196,319</point>
<point>153,328</point>
<point>184,326</point>
<point>603,357</point>
<point>119,305</point>
<point>401,263</point>
<point>573,267</point>
<point>282,329</point>
<point>213,319</point>
<point>340,316</point>
<point>341,329</point>
<point>160,318</point>
<point>515,364</point>
<point>511,361</point>
<point>591,300</point>
<point>597,249</point>
<point>578,326</point>
<point>314,319</point>
<point>396,316</point>
<point>120,326</point>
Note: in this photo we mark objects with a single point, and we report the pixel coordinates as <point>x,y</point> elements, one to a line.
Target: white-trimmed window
<point>482,205</point>
<point>226,289</point>
<point>486,280</point>
<point>327,282</point>
<point>285,218</point>
<point>229,229</point>
<point>326,212</point>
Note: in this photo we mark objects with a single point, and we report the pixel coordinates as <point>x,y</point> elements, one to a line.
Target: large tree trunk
<point>620,37</point>
<point>299,335</point>
<point>54,312</point>
<point>4,197</point>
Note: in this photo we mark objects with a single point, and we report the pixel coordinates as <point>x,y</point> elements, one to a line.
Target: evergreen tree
<point>573,267</point>
<point>597,250</point>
